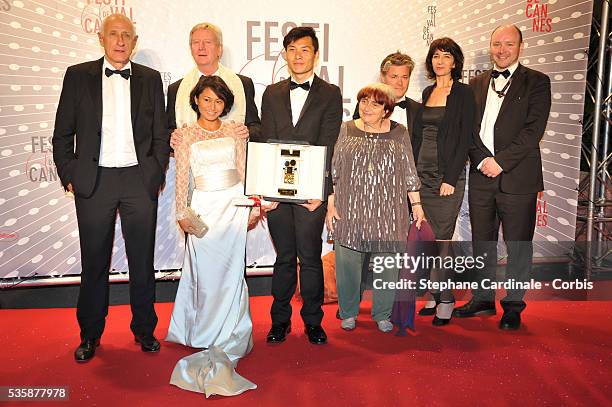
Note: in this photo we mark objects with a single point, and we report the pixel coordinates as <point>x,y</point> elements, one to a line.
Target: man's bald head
<point>506,45</point>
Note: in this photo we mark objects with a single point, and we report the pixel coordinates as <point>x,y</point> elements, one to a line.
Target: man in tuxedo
<point>395,71</point>
<point>513,103</point>
<point>206,43</point>
<point>300,108</point>
<point>113,110</point>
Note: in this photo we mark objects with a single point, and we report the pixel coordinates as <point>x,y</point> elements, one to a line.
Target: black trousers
<point>296,233</point>
<point>117,190</point>
<point>490,207</point>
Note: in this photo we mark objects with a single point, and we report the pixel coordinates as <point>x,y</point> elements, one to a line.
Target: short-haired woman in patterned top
<point>375,180</point>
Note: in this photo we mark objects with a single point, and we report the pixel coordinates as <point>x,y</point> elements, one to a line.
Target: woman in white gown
<point>211,310</point>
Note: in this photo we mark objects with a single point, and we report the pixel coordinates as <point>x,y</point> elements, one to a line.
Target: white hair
<point>117,16</point>
<point>208,26</point>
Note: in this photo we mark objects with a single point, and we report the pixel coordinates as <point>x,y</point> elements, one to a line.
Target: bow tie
<point>125,74</point>
<point>305,86</point>
<point>403,104</point>
<point>495,74</point>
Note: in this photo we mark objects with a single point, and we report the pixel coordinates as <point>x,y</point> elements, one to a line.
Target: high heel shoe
<point>437,321</point>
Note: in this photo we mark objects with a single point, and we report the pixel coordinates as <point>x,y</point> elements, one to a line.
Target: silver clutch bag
<point>200,227</point>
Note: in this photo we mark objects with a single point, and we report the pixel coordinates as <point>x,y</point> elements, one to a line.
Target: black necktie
<point>505,73</point>
<point>305,86</point>
<point>125,74</point>
<point>403,104</point>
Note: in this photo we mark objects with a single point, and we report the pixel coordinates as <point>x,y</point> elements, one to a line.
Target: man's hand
<point>238,130</point>
<point>490,168</point>
<point>446,189</point>
<point>312,204</point>
<point>176,139</point>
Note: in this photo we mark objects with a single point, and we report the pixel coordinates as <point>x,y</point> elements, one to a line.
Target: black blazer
<point>251,119</point>
<point>454,134</point>
<point>412,109</point>
<point>319,121</point>
<point>518,130</point>
<point>79,119</point>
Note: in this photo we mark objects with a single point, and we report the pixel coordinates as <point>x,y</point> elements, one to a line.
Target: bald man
<point>110,146</point>
<point>513,103</point>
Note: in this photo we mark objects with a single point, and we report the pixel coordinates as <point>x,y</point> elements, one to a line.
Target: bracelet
<point>416,204</point>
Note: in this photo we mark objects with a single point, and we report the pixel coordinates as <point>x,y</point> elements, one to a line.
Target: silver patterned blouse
<point>372,175</point>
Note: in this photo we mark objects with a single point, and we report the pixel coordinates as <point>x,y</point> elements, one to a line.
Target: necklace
<point>501,93</point>
<point>370,137</point>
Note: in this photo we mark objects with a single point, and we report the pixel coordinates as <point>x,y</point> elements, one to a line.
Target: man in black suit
<point>206,43</point>
<point>395,71</point>
<point>513,103</point>
<point>300,108</point>
<point>113,109</point>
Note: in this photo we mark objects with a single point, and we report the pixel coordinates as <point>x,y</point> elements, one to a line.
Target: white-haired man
<point>206,43</point>
<point>110,146</point>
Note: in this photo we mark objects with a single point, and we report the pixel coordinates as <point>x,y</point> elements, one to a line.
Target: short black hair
<point>218,86</point>
<point>447,45</point>
<point>301,32</point>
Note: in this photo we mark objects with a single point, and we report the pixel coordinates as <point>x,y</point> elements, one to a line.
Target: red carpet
<point>561,356</point>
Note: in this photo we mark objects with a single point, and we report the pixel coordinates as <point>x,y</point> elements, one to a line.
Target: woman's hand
<point>270,206</point>
<point>446,189</point>
<point>332,214</point>
<point>418,215</point>
<point>187,226</point>
<point>254,217</point>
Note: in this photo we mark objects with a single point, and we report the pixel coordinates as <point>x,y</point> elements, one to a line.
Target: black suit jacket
<point>518,130</point>
<point>251,119</point>
<point>454,133</point>
<point>412,110</point>
<point>79,119</point>
<point>319,121</point>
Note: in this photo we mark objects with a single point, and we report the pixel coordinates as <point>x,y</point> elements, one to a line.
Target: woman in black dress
<point>441,139</point>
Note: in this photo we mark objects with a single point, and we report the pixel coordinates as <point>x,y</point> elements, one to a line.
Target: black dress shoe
<point>511,320</point>
<point>148,343</point>
<point>439,321</point>
<point>473,308</point>
<point>278,332</point>
<point>316,334</point>
<point>86,350</point>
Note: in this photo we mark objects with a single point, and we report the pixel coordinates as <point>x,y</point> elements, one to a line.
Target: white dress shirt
<point>399,115</point>
<point>216,73</point>
<point>117,146</point>
<point>298,98</point>
<point>492,107</point>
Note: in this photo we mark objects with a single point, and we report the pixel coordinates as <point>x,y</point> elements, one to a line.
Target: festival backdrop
<point>40,39</point>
